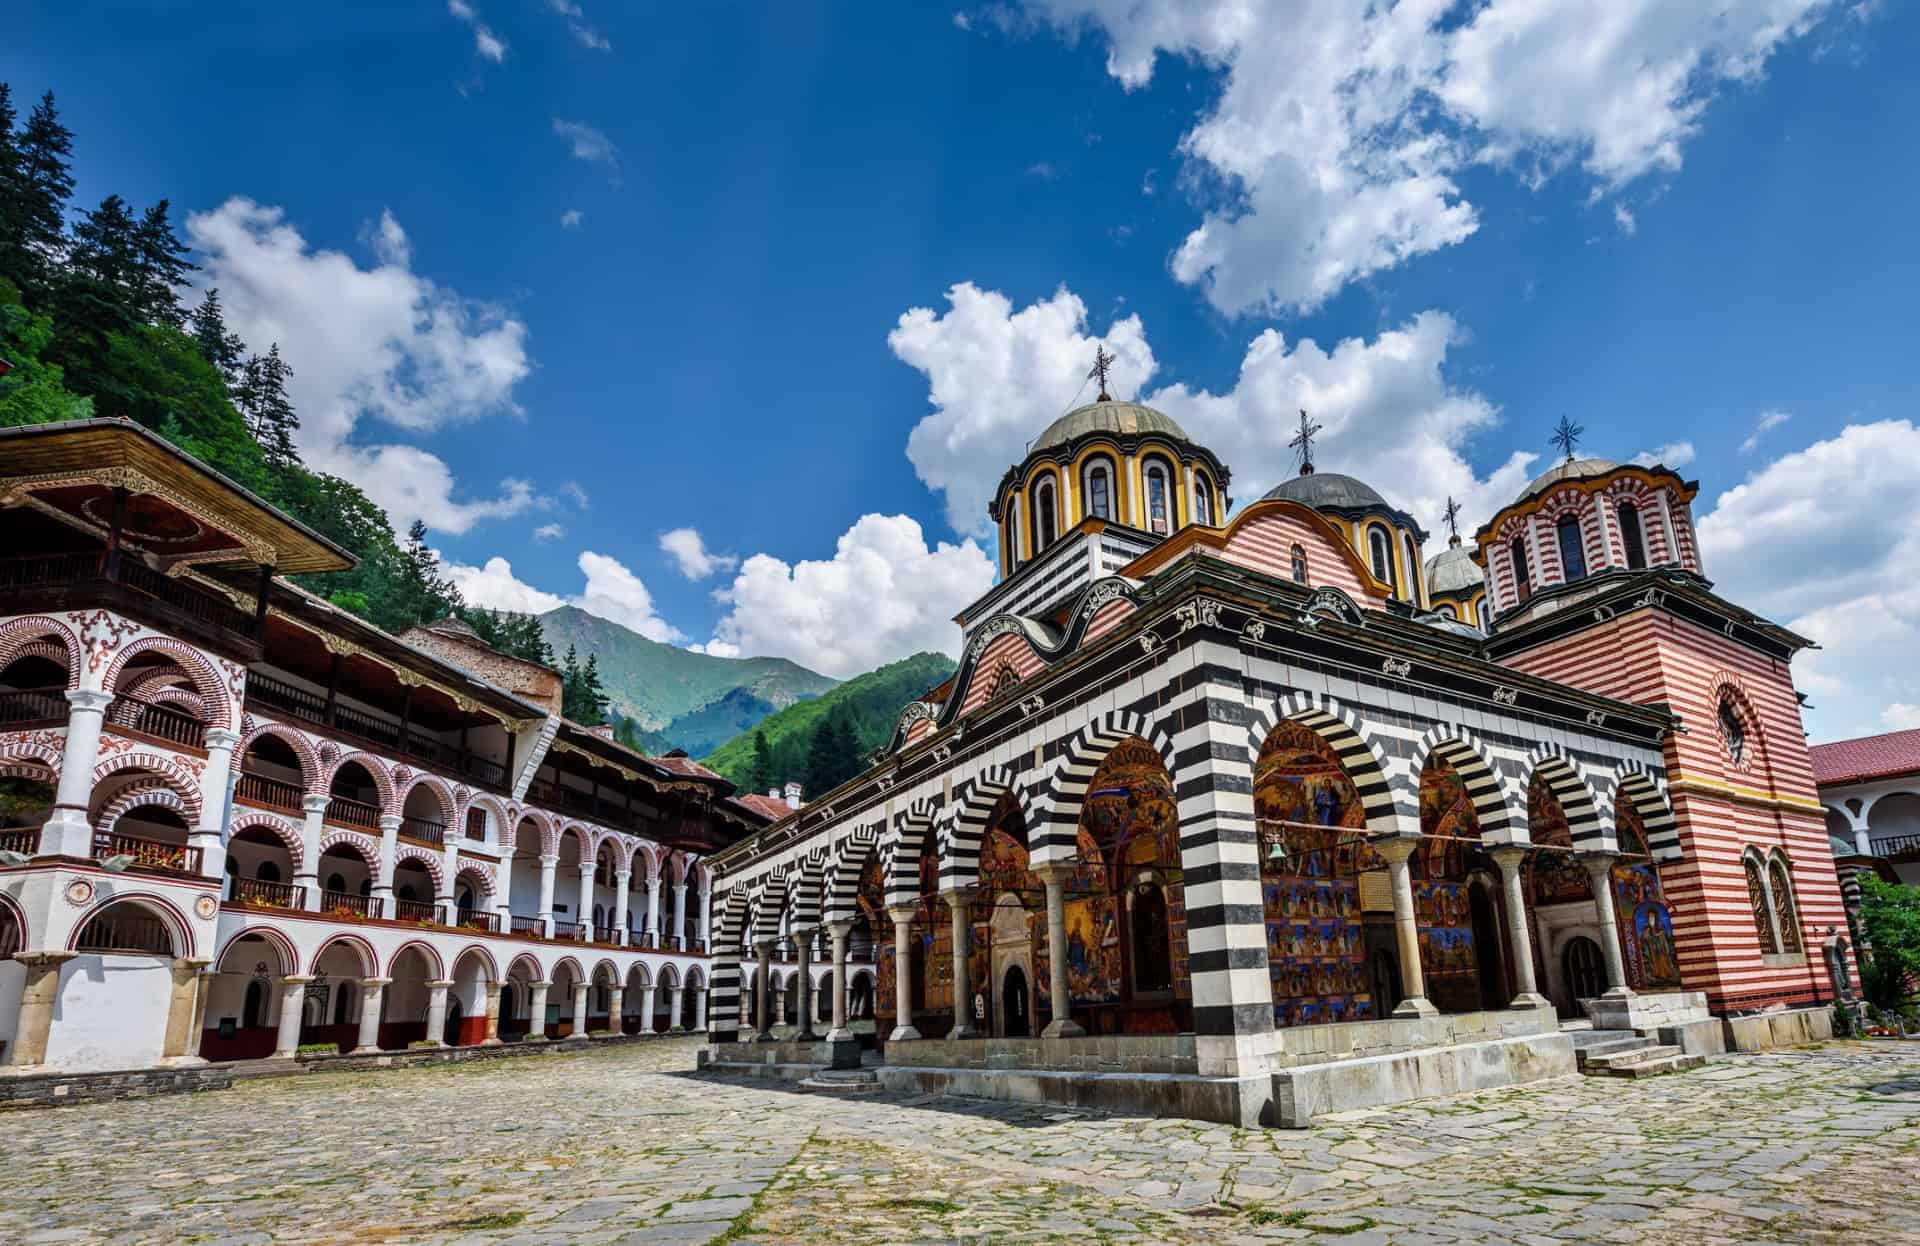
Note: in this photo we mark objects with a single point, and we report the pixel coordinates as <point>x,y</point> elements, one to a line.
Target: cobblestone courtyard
<point>625,1145</point>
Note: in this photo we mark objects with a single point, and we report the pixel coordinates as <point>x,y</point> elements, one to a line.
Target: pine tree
<point>14,265</point>
<point>262,398</point>
<point>38,198</point>
<point>162,267</point>
<point>761,777</point>
<point>820,761</point>
<point>223,349</point>
<point>427,594</point>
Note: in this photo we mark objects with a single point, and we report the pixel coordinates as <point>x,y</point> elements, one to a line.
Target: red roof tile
<point>684,765</point>
<point>771,807</point>
<point>1869,757</point>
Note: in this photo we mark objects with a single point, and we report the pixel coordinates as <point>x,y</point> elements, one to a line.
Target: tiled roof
<point>684,765</point>
<point>1869,757</point>
<point>769,807</point>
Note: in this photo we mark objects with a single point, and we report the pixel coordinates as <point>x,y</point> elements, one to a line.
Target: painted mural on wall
<point>1309,880</point>
<point>1442,897</point>
<point>1646,927</point>
<point>1554,877</point>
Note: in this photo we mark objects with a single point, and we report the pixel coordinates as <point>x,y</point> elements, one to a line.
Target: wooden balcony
<point>260,891</point>
<point>378,734</point>
<point>344,904</point>
<point>25,840</point>
<point>532,927</point>
<point>158,722</point>
<point>420,911</point>
<point>33,707</point>
<point>155,855</point>
<point>488,922</point>
<point>355,813</point>
<point>67,581</point>
<point>269,793</point>
<point>424,831</point>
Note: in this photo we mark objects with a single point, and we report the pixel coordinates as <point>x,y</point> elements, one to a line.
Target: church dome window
<point>1573,554</point>
<point>1522,578</point>
<point>1632,537</point>
<point>1202,501</point>
<point>1299,564</point>
<point>1380,550</point>
<point>1046,516</point>
<point>1413,567</point>
<point>1098,485</point>
<point>1159,500</point>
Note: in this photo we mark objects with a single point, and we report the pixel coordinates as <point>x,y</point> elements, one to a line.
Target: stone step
<point>1592,1052</point>
<point>1675,1063</point>
<point>1638,1055</point>
<point>1589,1037</point>
<point>842,1082</point>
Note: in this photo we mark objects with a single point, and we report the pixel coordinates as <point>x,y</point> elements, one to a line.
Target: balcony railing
<point>353,813</point>
<point>382,735</point>
<point>162,722</point>
<point>346,904</point>
<point>33,707</point>
<point>271,894</point>
<point>489,922</point>
<point>566,930</point>
<point>56,571</point>
<point>416,911</point>
<point>149,854</point>
<point>528,926</point>
<point>425,830</point>
<point>259,789</point>
<point>25,840</point>
<point>1895,845</point>
<point>606,934</point>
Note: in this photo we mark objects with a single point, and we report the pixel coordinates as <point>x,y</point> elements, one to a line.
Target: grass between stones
<point>741,1226</point>
<point>494,1220</point>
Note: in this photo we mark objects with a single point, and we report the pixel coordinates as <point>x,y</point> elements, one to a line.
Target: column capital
<point>1055,871</point>
<point>1508,856</point>
<point>296,979</point>
<point>89,698</point>
<point>315,802</point>
<point>957,896</point>
<point>549,858</point>
<point>440,984</point>
<point>390,822</point>
<point>903,913</point>
<point>44,959</point>
<point>1598,863</point>
<point>542,985</point>
<point>375,983</point>
<point>840,929</point>
<point>1396,848</point>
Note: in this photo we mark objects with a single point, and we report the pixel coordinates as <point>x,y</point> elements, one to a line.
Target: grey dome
<point>1453,570</point>
<point>1570,469</point>
<point>1120,419</point>
<point>1328,489</point>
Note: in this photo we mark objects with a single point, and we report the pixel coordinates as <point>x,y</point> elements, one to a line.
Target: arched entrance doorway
<point>1014,1004</point>
<point>1583,969</point>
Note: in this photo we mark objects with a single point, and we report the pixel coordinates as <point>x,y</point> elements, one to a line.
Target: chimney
<point>603,730</point>
<point>793,795</point>
<point>773,793</point>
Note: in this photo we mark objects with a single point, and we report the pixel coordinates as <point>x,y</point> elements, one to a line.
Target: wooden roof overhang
<point>177,510</point>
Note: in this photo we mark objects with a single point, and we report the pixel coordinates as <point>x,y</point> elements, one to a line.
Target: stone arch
<point>377,769</point>
<point>503,824</point>
<point>161,681</point>
<point>773,902</point>
<point>431,862</point>
<point>38,748</point>
<point>1054,834</point>
<point>1728,686</point>
<point>1389,808</point>
<point>572,965</point>
<point>449,806</point>
<point>369,959</point>
<point>286,832</point>
<point>488,965</point>
<point>583,834</point>
<point>213,692</point>
<point>974,804</point>
<point>605,963</point>
<point>436,964</point>
<point>640,850</point>
<point>639,970</point>
<point>668,978</point>
<point>1493,801</point>
<point>364,846</point>
<point>158,766</point>
<point>850,857</point>
<point>623,851</point>
<point>13,917</point>
<point>297,741</point>
<point>179,929</point>
<point>902,849</point>
<point>281,941</point>
<point>483,880</point>
<point>145,793</point>
<point>531,967</point>
<point>19,635</point>
<point>1561,773</point>
<point>729,932</point>
<point>694,981</point>
<point>807,890</point>
<point>39,772</point>
<point>1634,783</point>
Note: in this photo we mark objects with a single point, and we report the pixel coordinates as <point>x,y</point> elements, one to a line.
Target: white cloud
<point>715,649</point>
<point>1794,543</point>
<point>690,554</point>
<point>588,144</point>
<point>585,35</point>
<point>485,42</point>
<point>383,343</point>
<point>1389,414</point>
<point>577,494</point>
<point>1900,717</point>
<point>1675,454</point>
<point>1624,219</point>
<point>1043,170</point>
<point>572,218</point>
<point>611,591</point>
<point>883,595</point>
<point>1332,149</point>
<point>1768,421</point>
<point>549,532</point>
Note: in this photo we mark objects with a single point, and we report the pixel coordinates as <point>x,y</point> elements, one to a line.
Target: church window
<point>1762,913</point>
<point>1004,680</point>
<point>1522,581</point>
<point>1099,487</point>
<point>1573,555</point>
<point>1413,567</point>
<point>1202,501</point>
<point>1786,921</point>
<point>1634,539</point>
<point>1299,565</point>
<point>1381,551</point>
<point>1448,611</point>
<point>1158,518</point>
<point>1733,732</point>
<point>1045,517</point>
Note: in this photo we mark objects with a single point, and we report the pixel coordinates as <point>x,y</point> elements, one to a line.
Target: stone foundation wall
<point>1107,1053</point>
<point>1790,1027</point>
<point>1304,1091</point>
<point>57,1089</point>
<point>1238,1101</point>
<point>1358,1040</point>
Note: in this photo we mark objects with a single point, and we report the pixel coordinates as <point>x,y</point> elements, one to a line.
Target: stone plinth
<point>1647,1012</point>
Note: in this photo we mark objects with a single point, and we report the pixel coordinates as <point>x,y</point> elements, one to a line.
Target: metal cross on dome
<point>1566,435</point>
<point>1302,443</point>
<point>1452,517</point>
<point>1102,361</point>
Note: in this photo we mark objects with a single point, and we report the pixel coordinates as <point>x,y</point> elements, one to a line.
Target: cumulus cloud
<point>381,343</point>
<point>611,591</point>
<point>1793,543</point>
<point>572,218</point>
<point>690,554</point>
<point>549,532</point>
<point>886,593</point>
<point>1389,415</point>
<point>1900,717</point>
<point>1675,454</point>
<point>1333,148</point>
<point>485,42</point>
<point>588,144</point>
<point>1768,421</point>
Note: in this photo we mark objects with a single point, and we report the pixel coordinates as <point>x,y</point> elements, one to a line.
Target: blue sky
<point>565,278</point>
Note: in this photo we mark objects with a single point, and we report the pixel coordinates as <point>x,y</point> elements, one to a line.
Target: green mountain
<point>680,699</point>
<point>869,703</point>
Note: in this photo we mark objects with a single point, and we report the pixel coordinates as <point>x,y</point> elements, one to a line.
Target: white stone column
<point>492,1036</point>
<point>653,910</point>
<point>67,832</point>
<point>903,975</point>
<point>700,1009</point>
<point>293,998</point>
<point>382,889</point>
<point>437,1011</point>
<point>803,993</point>
<point>1599,867</point>
<point>763,987</point>
<point>1054,877</point>
<point>182,1036</point>
<point>449,902</point>
<point>37,998</point>
<point>1397,850</point>
<point>676,997</point>
<point>312,831</point>
<point>503,890</point>
<point>680,916</point>
<point>616,1009</point>
<point>537,1010</point>
<point>839,1031</point>
<point>621,893</point>
<point>706,920</point>
<point>216,781</point>
<point>548,863</point>
<point>584,909</point>
<point>957,901</point>
<point>373,992</point>
<point>1510,859</point>
<point>646,1008</point>
<point>580,990</point>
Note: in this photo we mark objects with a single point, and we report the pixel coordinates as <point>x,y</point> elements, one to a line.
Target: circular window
<point>1733,733</point>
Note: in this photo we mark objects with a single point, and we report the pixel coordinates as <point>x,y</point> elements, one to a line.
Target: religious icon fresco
<point>1646,928</point>
<point>1556,877</point>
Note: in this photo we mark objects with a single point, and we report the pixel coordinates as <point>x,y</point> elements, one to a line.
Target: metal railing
<point>1893,845</point>
<point>162,722</point>
<point>353,813</point>
<point>260,789</point>
<point>416,911</point>
<point>345,904</point>
<point>606,934</point>
<point>33,707</point>
<point>528,926</point>
<point>425,830</point>
<point>149,854</point>
<point>271,894</point>
<point>489,922</point>
<point>566,930</point>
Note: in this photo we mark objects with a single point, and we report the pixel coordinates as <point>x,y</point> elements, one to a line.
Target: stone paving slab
<point>628,1145</point>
